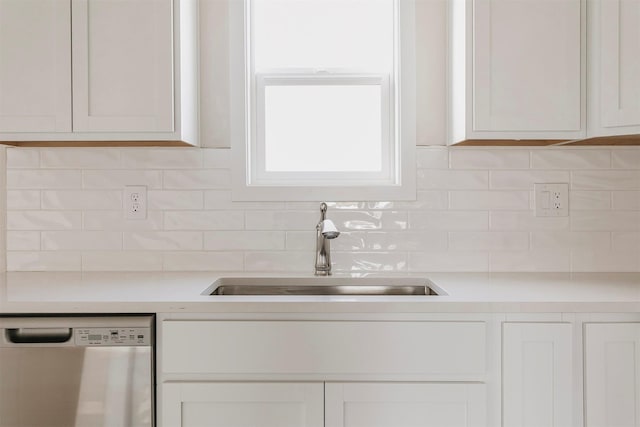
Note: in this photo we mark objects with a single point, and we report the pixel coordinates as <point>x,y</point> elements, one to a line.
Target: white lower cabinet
<point>537,374</point>
<point>380,371</point>
<point>612,374</point>
<point>404,405</point>
<point>273,404</point>
<point>242,405</point>
<point>431,370</point>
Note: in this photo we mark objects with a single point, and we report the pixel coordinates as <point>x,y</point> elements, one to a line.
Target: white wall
<point>473,213</point>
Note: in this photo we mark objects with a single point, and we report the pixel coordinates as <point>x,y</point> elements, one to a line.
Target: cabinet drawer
<point>437,349</point>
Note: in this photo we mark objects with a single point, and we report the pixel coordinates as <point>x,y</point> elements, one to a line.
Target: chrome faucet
<point>325,231</point>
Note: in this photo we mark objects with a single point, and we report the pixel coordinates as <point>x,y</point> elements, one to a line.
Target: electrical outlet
<point>552,199</point>
<point>135,202</point>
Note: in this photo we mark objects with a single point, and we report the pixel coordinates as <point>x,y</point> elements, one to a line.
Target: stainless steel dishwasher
<point>76,371</point>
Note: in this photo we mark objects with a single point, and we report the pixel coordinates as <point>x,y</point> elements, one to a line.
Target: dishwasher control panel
<point>113,336</point>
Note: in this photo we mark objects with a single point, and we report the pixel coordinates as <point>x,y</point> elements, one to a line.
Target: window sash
<point>260,176</point>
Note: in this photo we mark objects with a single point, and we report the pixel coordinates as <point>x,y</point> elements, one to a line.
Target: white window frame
<point>396,181</point>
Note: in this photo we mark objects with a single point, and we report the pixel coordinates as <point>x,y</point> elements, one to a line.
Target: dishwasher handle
<point>38,335</point>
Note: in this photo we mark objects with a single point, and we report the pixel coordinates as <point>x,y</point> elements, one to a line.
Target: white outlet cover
<point>135,202</point>
<point>551,200</point>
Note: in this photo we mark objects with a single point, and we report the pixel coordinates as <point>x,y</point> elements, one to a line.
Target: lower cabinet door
<point>405,405</point>
<point>612,374</point>
<point>537,374</point>
<point>242,405</point>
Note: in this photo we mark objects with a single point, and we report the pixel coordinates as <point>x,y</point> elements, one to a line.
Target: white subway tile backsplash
<point>589,200</point>
<point>474,212</point>
<point>23,240</point>
<point>571,159</point>
<point>40,179</point>
<point>625,241</point>
<point>282,220</point>
<point>44,220</point>
<point>525,221</point>
<point>175,200</point>
<point>203,261</point>
<point>524,180</point>
<point>369,261</point>
<point>43,261</point>
<point>449,220</point>
<point>570,240</point>
<point>82,199</point>
<point>122,261</point>
<point>115,221</point>
<point>294,261</point>
<point>626,159</point>
<point>381,241</point>
<point>163,240</point>
<point>221,200</point>
<point>489,200</point>
<point>488,241</point>
<point>303,240</point>
<point>197,179</point>
<point>434,179</point>
<point>626,200</point>
<point>367,220</point>
<point>23,199</point>
<point>117,179</point>
<point>464,158</point>
<point>546,260</point>
<point>448,261</point>
<point>203,220</point>
<point>162,158</point>
<point>599,260</point>
<point>427,200</point>
<point>605,180</point>
<point>81,240</point>
<point>605,221</point>
<point>18,158</point>
<point>244,240</point>
<point>80,158</point>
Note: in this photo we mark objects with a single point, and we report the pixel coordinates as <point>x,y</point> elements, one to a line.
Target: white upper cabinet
<point>614,67</point>
<point>122,66</point>
<point>516,70</point>
<point>106,70</point>
<point>35,74</point>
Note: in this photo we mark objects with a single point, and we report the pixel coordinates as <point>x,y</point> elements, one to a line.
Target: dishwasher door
<point>82,372</point>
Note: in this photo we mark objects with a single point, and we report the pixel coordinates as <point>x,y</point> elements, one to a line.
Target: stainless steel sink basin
<point>323,286</point>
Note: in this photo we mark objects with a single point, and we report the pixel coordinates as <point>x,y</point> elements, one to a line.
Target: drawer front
<point>454,349</point>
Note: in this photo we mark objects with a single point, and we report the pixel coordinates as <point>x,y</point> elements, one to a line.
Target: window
<point>323,99</point>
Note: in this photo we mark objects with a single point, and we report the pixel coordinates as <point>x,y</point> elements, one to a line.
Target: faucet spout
<point>326,230</point>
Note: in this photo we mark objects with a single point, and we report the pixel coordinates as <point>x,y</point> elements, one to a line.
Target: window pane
<point>322,34</point>
<point>325,128</point>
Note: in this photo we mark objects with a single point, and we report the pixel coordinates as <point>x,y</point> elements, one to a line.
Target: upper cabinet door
<point>35,66</point>
<point>614,66</point>
<point>516,69</point>
<point>122,65</point>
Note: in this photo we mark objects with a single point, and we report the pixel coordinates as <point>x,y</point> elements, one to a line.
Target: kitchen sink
<point>291,286</point>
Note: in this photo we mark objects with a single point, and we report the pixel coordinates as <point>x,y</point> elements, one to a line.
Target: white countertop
<point>162,292</point>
